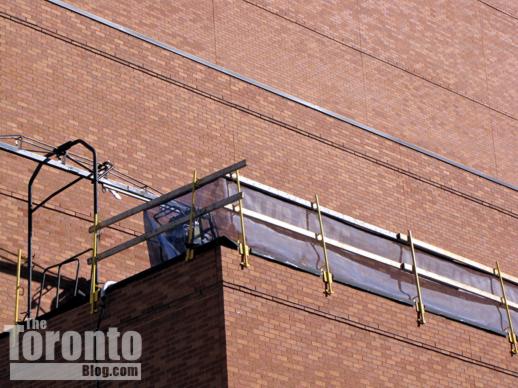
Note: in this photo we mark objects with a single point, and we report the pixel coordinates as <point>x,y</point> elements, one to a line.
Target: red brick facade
<point>442,76</point>
<point>271,326</point>
<point>179,315</point>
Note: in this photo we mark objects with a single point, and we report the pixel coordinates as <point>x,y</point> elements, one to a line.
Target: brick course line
<point>361,326</point>
<point>387,62</point>
<point>183,300</point>
<point>498,9</point>
<point>280,93</point>
<point>204,291</point>
<point>259,115</point>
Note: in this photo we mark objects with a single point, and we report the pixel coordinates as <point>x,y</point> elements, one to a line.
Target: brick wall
<point>207,322</point>
<point>281,330</point>
<point>438,74</point>
<point>157,116</point>
<point>177,311</point>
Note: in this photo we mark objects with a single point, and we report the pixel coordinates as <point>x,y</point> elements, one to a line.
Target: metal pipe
<point>166,227</point>
<point>77,277</point>
<point>29,251</point>
<point>58,286</point>
<point>190,251</point>
<point>244,249</point>
<point>326,272</point>
<point>171,195</point>
<point>18,287</point>
<point>419,305</point>
<point>59,265</point>
<point>511,335</point>
<point>142,191</point>
<point>60,150</point>
<point>42,284</point>
<point>30,210</point>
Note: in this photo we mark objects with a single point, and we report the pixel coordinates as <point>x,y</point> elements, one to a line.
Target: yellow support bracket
<point>244,249</point>
<point>419,306</point>
<point>94,288</point>
<point>18,286</point>
<point>189,255</point>
<point>327,276</point>
<point>511,335</point>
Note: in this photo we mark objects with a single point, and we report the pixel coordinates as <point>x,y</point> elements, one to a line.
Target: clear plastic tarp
<point>303,251</point>
<point>172,244</point>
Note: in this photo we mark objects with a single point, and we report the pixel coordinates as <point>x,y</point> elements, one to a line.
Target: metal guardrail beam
<point>453,257</point>
<point>134,192</point>
<point>511,335</point>
<point>372,256</point>
<point>243,248</point>
<point>164,228</point>
<point>327,275</point>
<point>169,196</point>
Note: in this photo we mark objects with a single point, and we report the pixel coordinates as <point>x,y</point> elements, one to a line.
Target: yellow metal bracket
<point>511,335</point>
<point>189,255</point>
<point>327,276</point>
<point>18,286</point>
<point>419,306</point>
<point>94,287</point>
<point>244,249</point>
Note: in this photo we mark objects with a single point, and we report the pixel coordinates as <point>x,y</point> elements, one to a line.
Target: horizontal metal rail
<point>247,182</point>
<point>41,147</point>
<point>141,194</point>
<point>170,196</point>
<point>74,258</point>
<point>146,196</point>
<point>380,259</point>
<point>164,228</point>
<point>457,258</point>
<point>273,192</point>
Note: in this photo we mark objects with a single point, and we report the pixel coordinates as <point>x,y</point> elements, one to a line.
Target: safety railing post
<point>244,249</point>
<point>18,287</point>
<point>511,334</point>
<point>94,288</point>
<point>419,305</point>
<point>189,255</point>
<point>327,276</point>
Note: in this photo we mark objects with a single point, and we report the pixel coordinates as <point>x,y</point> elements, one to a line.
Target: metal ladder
<point>72,259</point>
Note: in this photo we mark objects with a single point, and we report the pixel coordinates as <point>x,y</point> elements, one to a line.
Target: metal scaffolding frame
<point>231,173</point>
<point>374,257</point>
<point>375,230</point>
<point>60,158</point>
<point>59,152</point>
<point>35,150</point>
<point>164,199</point>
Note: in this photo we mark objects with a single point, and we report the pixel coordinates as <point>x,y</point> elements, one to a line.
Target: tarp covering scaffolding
<point>172,244</point>
<point>285,231</point>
